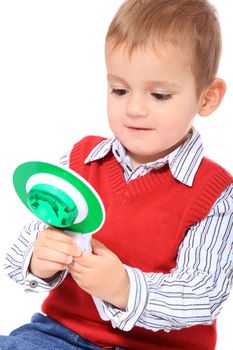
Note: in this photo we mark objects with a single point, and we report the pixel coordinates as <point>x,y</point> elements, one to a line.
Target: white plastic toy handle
<point>83,240</point>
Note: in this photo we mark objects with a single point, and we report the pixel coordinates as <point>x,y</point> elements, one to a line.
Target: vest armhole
<point>208,192</point>
<point>82,149</point>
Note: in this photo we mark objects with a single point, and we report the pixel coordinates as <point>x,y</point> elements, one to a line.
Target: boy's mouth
<point>134,128</point>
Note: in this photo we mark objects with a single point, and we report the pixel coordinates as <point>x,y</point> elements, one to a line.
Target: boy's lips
<point>138,128</point>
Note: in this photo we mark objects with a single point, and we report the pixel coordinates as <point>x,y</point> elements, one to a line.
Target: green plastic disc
<point>52,205</point>
<point>88,221</point>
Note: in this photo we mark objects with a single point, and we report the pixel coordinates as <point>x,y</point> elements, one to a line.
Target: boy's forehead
<point>161,50</point>
<point>168,69</point>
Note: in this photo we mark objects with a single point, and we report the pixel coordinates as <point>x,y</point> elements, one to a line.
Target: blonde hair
<point>191,24</point>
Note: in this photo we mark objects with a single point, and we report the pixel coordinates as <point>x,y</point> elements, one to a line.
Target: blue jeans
<point>44,333</point>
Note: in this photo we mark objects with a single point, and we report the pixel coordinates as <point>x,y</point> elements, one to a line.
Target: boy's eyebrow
<point>114,77</point>
<point>153,83</point>
<point>166,85</point>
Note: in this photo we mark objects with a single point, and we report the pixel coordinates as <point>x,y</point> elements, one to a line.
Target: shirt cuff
<point>138,298</point>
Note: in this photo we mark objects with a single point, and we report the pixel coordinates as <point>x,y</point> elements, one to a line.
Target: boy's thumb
<point>98,248</point>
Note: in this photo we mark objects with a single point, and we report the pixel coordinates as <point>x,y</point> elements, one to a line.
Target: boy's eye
<point>160,96</point>
<point>118,92</point>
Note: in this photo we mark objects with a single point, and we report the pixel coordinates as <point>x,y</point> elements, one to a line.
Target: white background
<point>53,92</point>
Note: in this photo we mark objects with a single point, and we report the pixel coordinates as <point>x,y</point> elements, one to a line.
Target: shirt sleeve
<point>194,291</point>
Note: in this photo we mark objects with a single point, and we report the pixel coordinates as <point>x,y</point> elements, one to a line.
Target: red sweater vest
<point>146,220</point>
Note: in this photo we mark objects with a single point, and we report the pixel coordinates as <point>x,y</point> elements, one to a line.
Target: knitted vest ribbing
<point>146,220</point>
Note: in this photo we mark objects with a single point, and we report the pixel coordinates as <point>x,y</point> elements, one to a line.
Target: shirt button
<point>33,284</point>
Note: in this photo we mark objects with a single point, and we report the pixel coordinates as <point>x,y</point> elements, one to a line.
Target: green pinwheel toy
<point>60,198</point>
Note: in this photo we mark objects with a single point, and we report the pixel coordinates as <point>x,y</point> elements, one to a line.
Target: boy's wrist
<point>52,278</point>
<point>120,299</point>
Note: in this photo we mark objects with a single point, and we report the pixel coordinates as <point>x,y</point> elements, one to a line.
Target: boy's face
<point>152,100</point>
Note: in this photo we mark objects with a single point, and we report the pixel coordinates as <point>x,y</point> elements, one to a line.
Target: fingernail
<point>78,252</point>
<point>69,259</point>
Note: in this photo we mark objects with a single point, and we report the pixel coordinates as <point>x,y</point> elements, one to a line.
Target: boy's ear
<point>212,97</point>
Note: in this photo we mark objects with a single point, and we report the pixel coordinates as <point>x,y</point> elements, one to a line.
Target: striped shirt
<point>204,262</point>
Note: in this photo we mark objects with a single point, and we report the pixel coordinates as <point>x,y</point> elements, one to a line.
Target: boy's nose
<point>136,106</point>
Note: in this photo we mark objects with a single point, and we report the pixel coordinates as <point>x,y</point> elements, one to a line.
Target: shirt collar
<point>183,161</point>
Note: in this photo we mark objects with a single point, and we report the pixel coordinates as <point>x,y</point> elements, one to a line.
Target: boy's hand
<point>54,251</point>
<point>102,274</point>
